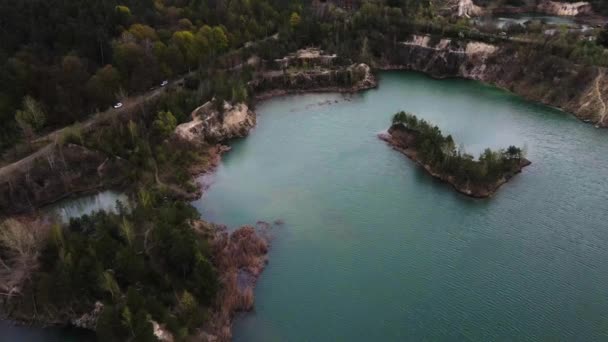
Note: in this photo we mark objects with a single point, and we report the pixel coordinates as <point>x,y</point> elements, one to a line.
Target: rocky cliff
<point>353,78</point>
<point>551,80</point>
<point>210,125</point>
<point>565,8</point>
<point>57,172</point>
<point>462,8</point>
<point>467,8</point>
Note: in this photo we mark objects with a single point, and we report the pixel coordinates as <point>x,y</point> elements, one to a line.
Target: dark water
<point>373,249</point>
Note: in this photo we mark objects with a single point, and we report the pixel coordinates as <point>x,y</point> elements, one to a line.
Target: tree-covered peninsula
<point>424,143</point>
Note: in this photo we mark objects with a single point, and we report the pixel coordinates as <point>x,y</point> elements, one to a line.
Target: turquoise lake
<point>375,249</point>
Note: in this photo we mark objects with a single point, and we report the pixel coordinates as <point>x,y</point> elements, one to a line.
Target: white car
<point>118,105</point>
<point>164,83</point>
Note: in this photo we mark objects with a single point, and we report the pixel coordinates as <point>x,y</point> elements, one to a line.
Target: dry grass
<point>20,243</point>
<point>240,257</point>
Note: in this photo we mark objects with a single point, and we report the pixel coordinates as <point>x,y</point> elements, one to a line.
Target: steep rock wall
<point>553,81</point>
<point>210,125</point>
<point>565,8</point>
<point>353,78</point>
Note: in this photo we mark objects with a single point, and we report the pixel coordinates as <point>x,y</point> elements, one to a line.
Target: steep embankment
<point>463,8</point>
<point>599,95</point>
<point>210,125</point>
<point>547,79</point>
<point>564,8</point>
<point>353,78</point>
<point>468,8</point>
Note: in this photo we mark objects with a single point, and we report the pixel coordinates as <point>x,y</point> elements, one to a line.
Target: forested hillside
<point>73,57</point>
<point>62,60</point>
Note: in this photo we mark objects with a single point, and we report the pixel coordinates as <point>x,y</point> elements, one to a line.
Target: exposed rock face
<point>402,139</point>
<point>210,125</point>
<point>161,333</point>
<point>467,8</point>
<point>464,8</point>
<point>89,320</point>
<point>353,78</point>
<point>565,8</point>
<point>306,57</point>
<point>550,80</point>
<point>56,173</point>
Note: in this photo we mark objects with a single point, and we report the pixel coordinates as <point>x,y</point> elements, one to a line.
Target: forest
<point>62,61</point>
<point>142,263</point>
<point>73,58</point>
<point>442,155</point>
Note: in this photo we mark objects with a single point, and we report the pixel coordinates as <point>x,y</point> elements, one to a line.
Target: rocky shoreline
<point>573,88</point>
<point>401,139</point>
<point>547,8</point>
<point>276,84</point>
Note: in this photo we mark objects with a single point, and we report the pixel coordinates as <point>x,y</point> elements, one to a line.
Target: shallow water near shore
<point>375,249</point>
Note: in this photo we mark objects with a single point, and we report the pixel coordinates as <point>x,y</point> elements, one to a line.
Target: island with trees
<point>424,143</point>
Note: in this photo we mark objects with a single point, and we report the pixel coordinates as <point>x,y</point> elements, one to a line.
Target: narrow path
<point>598,93</point>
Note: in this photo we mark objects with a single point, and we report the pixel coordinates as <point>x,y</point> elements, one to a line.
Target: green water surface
<point>373,249</point>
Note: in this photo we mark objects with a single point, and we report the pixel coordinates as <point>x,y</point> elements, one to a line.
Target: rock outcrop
<point>468,8</point>
<point>463,8</point>
<point>58,171</point>
<point>565,8</point>
<point>353,78</point>
<point>89,319</point>
<point>551,80</point>
<point>210,125</point>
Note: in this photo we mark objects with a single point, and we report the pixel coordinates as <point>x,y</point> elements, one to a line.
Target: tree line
<point>144,264</point>
<point>76,57</point>
<point>442,155</point>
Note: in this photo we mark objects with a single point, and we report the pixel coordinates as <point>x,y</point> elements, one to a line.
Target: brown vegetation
<point>240,257</point>
<point>21,240</point>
